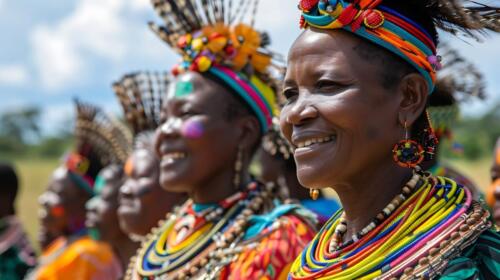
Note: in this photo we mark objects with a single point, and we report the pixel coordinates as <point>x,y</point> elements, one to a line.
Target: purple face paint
<point>192,129</point>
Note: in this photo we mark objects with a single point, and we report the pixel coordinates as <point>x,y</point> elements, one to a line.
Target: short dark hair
<point>9,182</point>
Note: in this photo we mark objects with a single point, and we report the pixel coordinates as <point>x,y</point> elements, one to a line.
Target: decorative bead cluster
<point>336,242</point>
<point>234,46</point>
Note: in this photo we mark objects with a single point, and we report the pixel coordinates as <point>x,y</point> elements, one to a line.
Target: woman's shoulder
<point>481,260</point>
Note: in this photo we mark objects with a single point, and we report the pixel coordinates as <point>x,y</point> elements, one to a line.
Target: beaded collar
<point>211,229</point>
<point>416,238</point>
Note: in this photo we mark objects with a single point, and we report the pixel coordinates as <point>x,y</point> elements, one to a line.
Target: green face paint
<point>183,88</point>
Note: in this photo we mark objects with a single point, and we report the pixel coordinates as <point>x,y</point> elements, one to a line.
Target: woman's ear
<point>414,91</point>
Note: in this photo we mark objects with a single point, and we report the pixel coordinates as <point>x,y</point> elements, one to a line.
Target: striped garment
<point>481,261</point>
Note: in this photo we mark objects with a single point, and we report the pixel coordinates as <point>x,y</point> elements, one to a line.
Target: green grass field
<point>35,174</point>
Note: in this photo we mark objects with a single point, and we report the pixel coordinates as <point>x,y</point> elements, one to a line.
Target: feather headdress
<point>100,141</point>
<point>218,37</point>
<point>141,97</point>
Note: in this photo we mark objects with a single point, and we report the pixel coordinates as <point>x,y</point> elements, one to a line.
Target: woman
<point>74,255</point>
<point>102,219</point>
<point>458,81</point>
<point>357,84</point>
<point>17,256</point>
<point>143,203</point>
<point>213,118</point>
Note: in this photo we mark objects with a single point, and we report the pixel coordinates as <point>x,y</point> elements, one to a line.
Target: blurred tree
<point>21,125</point>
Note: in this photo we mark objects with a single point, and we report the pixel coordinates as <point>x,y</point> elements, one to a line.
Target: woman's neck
<point>370,192</point>
<point>124,248</point>
<point>218,187</point>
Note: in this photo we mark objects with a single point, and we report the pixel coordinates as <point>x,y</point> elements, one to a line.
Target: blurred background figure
<point>16,254</point>
<point>143,203</point>
<point>99,142</point>
<point>458,82</point>
<point>102,218</point>
<point>493,193</point>
<point>277,165</point>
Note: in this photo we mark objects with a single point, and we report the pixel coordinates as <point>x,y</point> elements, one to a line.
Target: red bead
<point>373,19</point>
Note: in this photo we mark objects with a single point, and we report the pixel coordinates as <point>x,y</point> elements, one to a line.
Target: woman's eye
<point>290,93</point>
<point>327,84</point>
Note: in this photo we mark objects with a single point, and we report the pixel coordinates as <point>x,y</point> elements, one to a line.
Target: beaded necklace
<point>206,245</point>
<point>432,221</point>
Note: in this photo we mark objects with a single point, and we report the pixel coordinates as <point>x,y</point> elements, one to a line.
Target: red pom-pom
<point>307,5</point>
<point>182,42</point>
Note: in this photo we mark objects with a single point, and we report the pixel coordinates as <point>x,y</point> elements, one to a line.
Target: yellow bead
<point>197,44</point>
<point>204,63</point>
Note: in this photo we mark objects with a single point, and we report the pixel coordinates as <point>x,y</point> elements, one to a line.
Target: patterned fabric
<point>480,261</point>
<point>274,252</point>
<point>16,254</point>
<point>82,258</point>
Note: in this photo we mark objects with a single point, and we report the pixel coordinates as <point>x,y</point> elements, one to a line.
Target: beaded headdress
<point>141,95</point>
<point>377,22</point>
<point>212,38</point>
<point>457,82</point>
<point>100,141</point>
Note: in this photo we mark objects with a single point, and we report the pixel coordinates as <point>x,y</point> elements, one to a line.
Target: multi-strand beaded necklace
<point>415,236</point>
<point>194,237</point>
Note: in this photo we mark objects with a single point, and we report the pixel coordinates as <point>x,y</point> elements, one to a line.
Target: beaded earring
<point>408,153</point>
<point>314,194</point>
<point>238,165</point>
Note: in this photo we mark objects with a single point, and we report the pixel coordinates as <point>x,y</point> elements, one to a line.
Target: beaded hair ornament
<point>457,82</point>
<point>212,38</point>
<point>100,141</point>
<point>383,26</point>
<point>141,95</point>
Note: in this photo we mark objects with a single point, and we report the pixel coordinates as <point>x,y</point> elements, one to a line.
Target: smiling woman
<point>143,203</point>
<point>213,118</point>
<point>357,84</point>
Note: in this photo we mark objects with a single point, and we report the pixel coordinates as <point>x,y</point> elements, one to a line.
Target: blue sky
<point>53,51</point>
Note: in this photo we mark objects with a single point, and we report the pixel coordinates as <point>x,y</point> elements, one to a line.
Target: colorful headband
<point>78,166</point>
<point>211,42</point>
<point>380,25</point>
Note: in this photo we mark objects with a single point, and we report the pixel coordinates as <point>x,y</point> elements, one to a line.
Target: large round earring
<point>238,165</point>
<point>408,153</point>
<point>314,194</point>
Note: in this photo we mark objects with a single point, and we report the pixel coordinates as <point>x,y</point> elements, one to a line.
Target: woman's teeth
<point>312,141</point>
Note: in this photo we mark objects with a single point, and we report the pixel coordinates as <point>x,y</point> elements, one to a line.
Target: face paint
<point>192,129</point>
<point>183,88</point>
<point>129,167</point>
<point>57,211</point>
<point>99,184</point>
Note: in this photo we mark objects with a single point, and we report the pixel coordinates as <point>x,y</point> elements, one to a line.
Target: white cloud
<point>139,5</point>
<point>95,30</point>
<point>13,75</point>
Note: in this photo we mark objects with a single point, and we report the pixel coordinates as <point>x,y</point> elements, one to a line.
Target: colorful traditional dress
<point>16,254</point>
<point>78,257</point>
<point>246,236</point>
